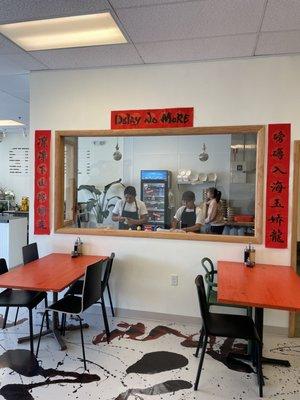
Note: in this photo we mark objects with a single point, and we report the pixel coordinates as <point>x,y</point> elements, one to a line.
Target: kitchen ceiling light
<point>59,33</point>
<point>10,122</point>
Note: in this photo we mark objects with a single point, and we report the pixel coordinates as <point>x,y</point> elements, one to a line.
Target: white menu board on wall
<point>18,161</point>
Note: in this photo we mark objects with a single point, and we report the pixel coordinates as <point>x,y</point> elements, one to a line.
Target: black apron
<point>129,214</point>
<point>188,218</point>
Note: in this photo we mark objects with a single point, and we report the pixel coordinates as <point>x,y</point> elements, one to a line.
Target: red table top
<point>264,285</point>
<point>52,273</point>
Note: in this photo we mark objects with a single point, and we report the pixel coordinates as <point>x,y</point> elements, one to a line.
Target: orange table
<point>263,286</point>
<point>52,273</point>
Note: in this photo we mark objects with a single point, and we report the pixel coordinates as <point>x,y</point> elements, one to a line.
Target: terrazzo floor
<point>144,360</point>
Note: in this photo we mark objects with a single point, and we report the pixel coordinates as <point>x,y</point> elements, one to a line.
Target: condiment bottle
<point>251,254</point>
<point>246,254</point>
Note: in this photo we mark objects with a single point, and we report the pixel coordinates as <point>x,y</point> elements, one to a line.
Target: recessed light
<point>59,33</point>
<point>10,122</point>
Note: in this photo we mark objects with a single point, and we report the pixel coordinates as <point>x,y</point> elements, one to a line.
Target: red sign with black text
<point>160,118</point>
<point>42,183</point>
<point>277,198</point>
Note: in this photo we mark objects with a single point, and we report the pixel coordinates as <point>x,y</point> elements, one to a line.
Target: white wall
<point>13,108</point>
<point>233,92</point>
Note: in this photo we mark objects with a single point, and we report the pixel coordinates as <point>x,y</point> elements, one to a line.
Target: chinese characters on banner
<point>156,118</point>
<point>278,185</point>
<point>42,183</point>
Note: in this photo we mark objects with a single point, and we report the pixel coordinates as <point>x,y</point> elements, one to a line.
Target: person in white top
<point>188,217</point>
<point>215,215</point>
<point>130,212</point>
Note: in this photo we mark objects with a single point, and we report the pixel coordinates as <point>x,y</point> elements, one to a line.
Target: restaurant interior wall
<point>13,108</point>
<point>235,92</point>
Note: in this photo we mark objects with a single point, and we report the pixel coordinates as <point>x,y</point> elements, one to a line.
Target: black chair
<point>75,305</point>
<point>20,298</point>
<point>3,269</point>
<point>30,253</point>
<point>227,325</point>
<point>212,294</point>
<point>77,287</point>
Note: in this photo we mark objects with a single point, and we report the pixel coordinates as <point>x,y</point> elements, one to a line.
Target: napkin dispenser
<point>77,248</point>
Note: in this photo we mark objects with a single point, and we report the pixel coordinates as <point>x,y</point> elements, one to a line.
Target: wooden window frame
<point>219,130</point>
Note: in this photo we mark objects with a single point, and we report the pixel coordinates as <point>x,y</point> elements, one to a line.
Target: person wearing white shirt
<point>215,211</point>
<point>130,212</point>
<point>188,217</point>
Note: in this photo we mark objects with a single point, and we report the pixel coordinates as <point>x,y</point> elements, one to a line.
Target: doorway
<point>294,319</point>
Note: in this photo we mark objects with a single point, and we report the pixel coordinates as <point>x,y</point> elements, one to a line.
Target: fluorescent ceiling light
<point>10,122</point>
<point>59,33</point>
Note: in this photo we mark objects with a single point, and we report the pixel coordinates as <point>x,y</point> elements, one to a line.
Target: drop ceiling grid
<point>160,31</point>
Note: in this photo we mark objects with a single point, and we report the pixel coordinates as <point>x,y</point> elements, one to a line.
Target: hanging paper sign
<point>160,118</point>
<point>278,185</point>
<point>42,183</point>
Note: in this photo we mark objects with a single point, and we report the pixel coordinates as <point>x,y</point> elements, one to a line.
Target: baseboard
<point>180,319</point>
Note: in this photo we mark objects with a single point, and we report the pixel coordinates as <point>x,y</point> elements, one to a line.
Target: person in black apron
<point>188,217</point>
<point>137,216</point>
<point>130,215</point>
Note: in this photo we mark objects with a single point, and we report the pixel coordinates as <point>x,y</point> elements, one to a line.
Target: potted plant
<point>99,204</point>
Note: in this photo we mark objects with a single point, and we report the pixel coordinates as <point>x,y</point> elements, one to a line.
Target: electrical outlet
<point>174,280</point>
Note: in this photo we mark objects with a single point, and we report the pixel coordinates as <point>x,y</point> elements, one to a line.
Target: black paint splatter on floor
<point>135,331</point>
<point>25,363</point>
<point>158,361</point>
<point>161,388</point>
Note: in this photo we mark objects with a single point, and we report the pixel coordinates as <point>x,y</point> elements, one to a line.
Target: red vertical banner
<point>277,199</point>
<point>42,183</point>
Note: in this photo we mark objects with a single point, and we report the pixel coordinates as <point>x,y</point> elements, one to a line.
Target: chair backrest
<point>92,291</point>
<point>30,253</point>
<point>3,266</point>
<point>108,267</point>
<point>208,265</point>
<point>202,300</point>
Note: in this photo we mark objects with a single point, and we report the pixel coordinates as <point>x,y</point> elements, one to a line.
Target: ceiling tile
<point>8,67</point>
<point>278,43</point>
<point>23,10</point>
<point>140,3</point>
<point>198,49</point>
<point>86,57</point>
<point>282,15</point>
<point>191,19</point>
<point>26,61</point>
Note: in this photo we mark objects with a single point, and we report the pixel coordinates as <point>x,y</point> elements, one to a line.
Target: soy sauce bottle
<point>246,254</point>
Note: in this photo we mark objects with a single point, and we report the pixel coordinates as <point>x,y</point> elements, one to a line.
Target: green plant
<point>98,204</point>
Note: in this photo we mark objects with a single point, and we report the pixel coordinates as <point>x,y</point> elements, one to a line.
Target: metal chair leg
<point>16,317</point>
<point>40,334</point>
<point>5,317</point>
<point>47,314</point>
<point>200,342</point>
<point>105,319</point>
<point>201,362</point>
<point>82,344</point>
<point>64,321</point>
<point>31,330</point>
<point>110,301</point>
<point>259,372</point>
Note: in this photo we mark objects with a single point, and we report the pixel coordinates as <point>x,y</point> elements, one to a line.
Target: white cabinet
<point>13,236</point>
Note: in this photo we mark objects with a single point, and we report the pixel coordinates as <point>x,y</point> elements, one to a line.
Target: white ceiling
<point>157,31</point>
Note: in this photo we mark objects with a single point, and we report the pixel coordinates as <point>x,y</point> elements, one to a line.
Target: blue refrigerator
<point>155,185</point>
